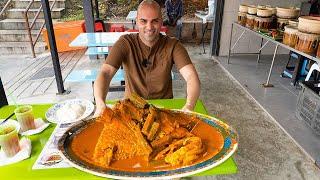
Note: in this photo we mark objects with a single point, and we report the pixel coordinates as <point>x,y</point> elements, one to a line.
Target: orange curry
<point>136,136</point>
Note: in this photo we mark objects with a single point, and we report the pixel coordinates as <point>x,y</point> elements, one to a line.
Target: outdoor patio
<point>265,150</point>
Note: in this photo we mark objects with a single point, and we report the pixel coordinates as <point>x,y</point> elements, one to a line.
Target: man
<point>147,58</point>
<point>174,12</point>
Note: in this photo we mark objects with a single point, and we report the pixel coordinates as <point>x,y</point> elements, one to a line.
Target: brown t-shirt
<point>148,70</point>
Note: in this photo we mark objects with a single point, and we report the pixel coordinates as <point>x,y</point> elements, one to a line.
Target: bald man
<point>147,58</point>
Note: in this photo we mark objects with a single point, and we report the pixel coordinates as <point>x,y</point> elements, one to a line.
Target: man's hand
<point>190,75</point>
<point>100,107</point>
<point>101,85</point>
<point>187,107</point>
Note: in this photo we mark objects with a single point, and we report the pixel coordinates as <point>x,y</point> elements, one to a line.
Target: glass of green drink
<point>25,117</point>
<point>9,139</point>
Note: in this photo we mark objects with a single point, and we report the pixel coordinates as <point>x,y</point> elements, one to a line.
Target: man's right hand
<point>100,107</point>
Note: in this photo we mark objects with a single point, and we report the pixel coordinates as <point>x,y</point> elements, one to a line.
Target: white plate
<point>52,111</point>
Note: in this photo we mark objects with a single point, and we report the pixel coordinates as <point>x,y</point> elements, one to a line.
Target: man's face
<point>149,22</point>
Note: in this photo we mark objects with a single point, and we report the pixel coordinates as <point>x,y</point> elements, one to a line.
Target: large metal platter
<point>230,145</point>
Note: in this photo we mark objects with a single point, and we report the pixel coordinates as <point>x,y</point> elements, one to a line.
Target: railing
<point>30,26</point>
<point>5,7</point>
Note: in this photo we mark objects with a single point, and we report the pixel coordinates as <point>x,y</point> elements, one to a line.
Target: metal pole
<point>96,5</point>
<point>89,20</point>
<point>234,45</point>
<point>216,28</point>
<point>271,67</point>
<point>53,47</point>
<point>3,97</point>
<point>202,39</point>
<point>88,15</point>
<point>228,61</point>
<point>29,34</point>
<point>260,50</point>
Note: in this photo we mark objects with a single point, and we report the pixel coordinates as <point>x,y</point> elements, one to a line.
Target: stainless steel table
<point>204,26</point>
<point>262,45</point>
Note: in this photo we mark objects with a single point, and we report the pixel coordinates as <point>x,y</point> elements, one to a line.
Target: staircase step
<point>36,4</point>
<point>56,13</point>
<point>18,35</point>
<point>20,48</point>
<point>18,24</point>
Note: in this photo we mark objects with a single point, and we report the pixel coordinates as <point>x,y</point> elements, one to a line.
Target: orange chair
<point>65,33</point>
<point>132,30</point>
<point>117,28</point>
<point>98,26</point>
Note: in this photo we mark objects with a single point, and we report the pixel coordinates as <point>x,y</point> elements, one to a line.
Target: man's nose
<point>149,26</point>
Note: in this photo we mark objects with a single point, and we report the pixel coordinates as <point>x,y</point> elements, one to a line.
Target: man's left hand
<point>187,107</point>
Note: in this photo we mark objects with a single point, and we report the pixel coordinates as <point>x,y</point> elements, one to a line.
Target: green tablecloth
<point>23,170</point>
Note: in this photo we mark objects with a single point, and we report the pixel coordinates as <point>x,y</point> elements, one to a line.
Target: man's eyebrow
<point>156,19</point>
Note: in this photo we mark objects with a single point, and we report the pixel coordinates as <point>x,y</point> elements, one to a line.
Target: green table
<point>23,170</point>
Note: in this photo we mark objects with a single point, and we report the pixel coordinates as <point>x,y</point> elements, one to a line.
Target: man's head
<point>149,21</point>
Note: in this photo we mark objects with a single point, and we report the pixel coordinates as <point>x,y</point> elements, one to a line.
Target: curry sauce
<point>83,146</point>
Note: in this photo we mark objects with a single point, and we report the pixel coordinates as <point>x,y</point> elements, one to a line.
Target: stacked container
<point>242,14</point>
<point>308,35</point>
<point>284,15</point>
<point>263,21</point>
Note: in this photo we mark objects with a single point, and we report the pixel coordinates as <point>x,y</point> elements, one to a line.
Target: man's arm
<point>101,86</point>
<point>190,75</point>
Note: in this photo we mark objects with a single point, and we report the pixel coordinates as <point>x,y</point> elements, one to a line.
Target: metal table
<point>97,43</point>
<point>262,45</point>
<point>132,17</point>
<point>101,39</point>
<point>204,28</point>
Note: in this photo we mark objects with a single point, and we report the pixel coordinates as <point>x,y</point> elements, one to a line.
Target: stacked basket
<point>242,14</point>
<point>264,19</point>
<point>284,15</point>
<point>308,35</point>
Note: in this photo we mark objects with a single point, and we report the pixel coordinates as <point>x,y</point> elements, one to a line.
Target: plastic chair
<point>132,30</point>
<point>314,66</point>
<point>117,28</point>
<point>164,29</point>
<point>98,26</point>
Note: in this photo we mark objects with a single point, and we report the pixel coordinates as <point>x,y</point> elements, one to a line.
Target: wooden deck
<point>21,86</point>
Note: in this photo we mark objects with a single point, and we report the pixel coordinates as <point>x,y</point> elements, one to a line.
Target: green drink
<point>9,139</point>
<point>25,117</point>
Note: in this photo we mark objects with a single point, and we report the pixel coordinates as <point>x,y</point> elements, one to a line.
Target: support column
<point>3,97</point>
<point>89,20</point>
<point>88,15</point>
<point>216,28</point>
<point>53,47</point>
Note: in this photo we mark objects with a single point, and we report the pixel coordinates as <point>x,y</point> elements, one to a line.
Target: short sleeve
<point>180,56</point>
<point>118,53</point>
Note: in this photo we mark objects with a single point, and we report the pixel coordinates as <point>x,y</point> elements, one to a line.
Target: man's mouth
<point>149,32</point>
